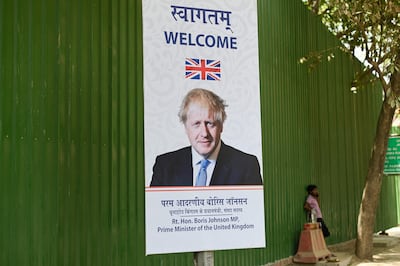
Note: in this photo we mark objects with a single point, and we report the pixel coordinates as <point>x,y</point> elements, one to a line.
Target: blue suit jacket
<point>233,167</point>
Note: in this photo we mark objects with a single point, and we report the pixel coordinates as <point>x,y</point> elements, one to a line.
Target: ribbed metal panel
<point>71,135</point>
<point>397,188</point>
<point>315,129</point>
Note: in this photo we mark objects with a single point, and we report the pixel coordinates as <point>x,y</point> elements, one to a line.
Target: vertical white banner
<point>211,45</point>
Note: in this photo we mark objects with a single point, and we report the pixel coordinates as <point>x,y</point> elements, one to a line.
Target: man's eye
<point>210,124</point>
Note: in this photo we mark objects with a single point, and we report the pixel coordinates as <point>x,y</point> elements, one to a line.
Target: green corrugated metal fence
<point>71,134</point>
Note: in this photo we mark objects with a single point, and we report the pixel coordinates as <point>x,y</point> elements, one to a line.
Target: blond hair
<point>215,103</point>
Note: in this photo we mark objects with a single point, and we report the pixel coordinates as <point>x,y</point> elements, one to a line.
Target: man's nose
<point>204,130</point>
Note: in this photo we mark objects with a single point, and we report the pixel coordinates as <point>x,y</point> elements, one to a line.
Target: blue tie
<point>202,176</point>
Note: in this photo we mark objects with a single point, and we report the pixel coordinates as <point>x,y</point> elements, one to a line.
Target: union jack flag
<point>203,69</point>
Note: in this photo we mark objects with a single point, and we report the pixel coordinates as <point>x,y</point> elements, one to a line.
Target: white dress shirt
<point>196,158</point>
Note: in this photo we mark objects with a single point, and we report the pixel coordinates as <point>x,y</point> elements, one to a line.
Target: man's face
<point>203,131</point>
<point>315,192</point>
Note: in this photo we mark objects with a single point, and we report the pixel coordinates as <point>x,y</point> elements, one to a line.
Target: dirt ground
<point>383,255</point>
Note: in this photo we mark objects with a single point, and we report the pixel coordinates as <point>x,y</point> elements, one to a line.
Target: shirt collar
<point>212,158</point>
